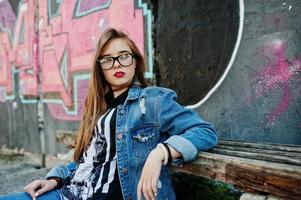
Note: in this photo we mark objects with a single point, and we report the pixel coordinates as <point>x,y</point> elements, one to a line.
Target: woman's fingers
<point>150,175</point>
<point>46,185</point>
<point>147,188</point>
<point>31,188</point>
<point>146,192</point>
<point>39,187</point>
<point>150,189</point>
<point>154,187</point>
<point>144,187</point>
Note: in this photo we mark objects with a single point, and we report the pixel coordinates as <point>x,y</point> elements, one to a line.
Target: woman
<point>128,136</point>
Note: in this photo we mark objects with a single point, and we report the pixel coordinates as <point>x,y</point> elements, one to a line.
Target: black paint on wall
<point>194,43</point>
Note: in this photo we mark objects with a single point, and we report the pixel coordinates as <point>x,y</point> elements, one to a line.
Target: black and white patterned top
<point>96,176</point>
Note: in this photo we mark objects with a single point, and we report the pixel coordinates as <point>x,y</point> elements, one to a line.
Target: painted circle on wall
<point>196,45</point>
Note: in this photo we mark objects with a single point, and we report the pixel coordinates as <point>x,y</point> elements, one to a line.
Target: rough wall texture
<point>260,98</point>
<point>195,41</point>
<point>194,48</point>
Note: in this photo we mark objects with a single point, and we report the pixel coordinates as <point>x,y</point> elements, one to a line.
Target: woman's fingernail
<point>156,194</point>
<point>36,194</point>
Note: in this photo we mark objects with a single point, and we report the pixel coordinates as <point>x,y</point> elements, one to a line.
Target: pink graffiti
<point>277,73</point>
<point>56,110</point>
<point>20,55</point>
<point>281,107</point>
<point>64,43</point>
<point>7,21</point>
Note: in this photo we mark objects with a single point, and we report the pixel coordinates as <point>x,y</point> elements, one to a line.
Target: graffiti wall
<point>53,41</point>
<point>237,63</point>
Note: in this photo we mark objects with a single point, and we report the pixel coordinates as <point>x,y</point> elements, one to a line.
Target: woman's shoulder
<point>156,90</point>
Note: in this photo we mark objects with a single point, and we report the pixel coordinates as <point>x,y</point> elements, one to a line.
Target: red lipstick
<point>119,74</point>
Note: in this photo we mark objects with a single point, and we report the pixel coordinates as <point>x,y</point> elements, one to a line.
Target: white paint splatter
<point>41,22</point>
<point>15,105</point>
<point>284,3</point>
<point>277,44</point>
<point>24,7</point>
<point>26,53</point>
<point>290,7</point>
<point>101,23</point>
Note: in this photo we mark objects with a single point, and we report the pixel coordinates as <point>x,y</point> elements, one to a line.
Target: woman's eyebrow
<point>119,52</point>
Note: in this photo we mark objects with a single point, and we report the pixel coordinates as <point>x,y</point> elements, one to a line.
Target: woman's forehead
<point>115,46</point>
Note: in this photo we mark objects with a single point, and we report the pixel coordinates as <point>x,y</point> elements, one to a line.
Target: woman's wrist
<point>55,179</point>
<point>169,153</point>
<point>164,153</point>
<point>158,154</point>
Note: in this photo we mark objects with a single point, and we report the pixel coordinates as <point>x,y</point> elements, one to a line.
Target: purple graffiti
<point>86,5</point>
<point>8,17</point>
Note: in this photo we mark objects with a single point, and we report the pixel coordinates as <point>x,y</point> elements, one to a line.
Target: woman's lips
<point>119,74</point>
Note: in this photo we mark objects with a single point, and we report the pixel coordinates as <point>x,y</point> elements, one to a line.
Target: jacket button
<point>124,170</point>
<point>119,136</point>
<point>122,112</point>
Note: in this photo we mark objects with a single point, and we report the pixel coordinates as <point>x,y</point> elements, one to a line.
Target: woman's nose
<point>116,64</point>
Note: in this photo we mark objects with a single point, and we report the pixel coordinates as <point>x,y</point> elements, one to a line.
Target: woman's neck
<point>119,91</point>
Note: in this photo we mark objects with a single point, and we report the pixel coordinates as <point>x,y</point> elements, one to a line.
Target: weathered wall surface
<point>195,41</point>
<point>260,98</point>
<point>236,62</point>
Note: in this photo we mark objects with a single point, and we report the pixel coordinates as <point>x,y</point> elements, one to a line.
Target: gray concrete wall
<point>260,99</point>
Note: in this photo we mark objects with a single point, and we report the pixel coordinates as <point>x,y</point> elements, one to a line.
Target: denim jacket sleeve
<point>189,133</point>
<point>62,171</point>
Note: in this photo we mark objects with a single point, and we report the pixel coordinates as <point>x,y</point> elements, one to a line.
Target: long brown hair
<point>95,104</point>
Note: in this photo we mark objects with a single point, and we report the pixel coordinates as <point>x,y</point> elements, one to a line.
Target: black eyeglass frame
<point>116,58</point>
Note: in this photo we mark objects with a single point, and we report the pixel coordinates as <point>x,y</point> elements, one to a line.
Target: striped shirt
<point>96,176</point>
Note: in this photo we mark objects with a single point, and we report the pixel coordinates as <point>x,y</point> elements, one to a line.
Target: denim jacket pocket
<point>144,140</point>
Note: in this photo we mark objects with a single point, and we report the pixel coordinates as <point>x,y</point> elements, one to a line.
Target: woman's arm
<point>189,134</point>
<point>53,179</point>
<point>62,171</point>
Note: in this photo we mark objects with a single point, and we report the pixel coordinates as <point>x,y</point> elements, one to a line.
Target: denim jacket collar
<point>134,92</point>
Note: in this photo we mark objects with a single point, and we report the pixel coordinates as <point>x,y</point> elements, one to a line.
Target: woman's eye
<point>124,56</point>
<point>105,60</point>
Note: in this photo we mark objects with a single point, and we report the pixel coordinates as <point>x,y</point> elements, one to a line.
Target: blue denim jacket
<point>149,116</point>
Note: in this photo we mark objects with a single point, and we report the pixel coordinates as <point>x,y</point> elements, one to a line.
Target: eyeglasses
<point>107,62</point>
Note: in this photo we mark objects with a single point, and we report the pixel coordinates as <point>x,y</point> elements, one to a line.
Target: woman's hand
<point>150,175</point>
<point>39,187</point>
